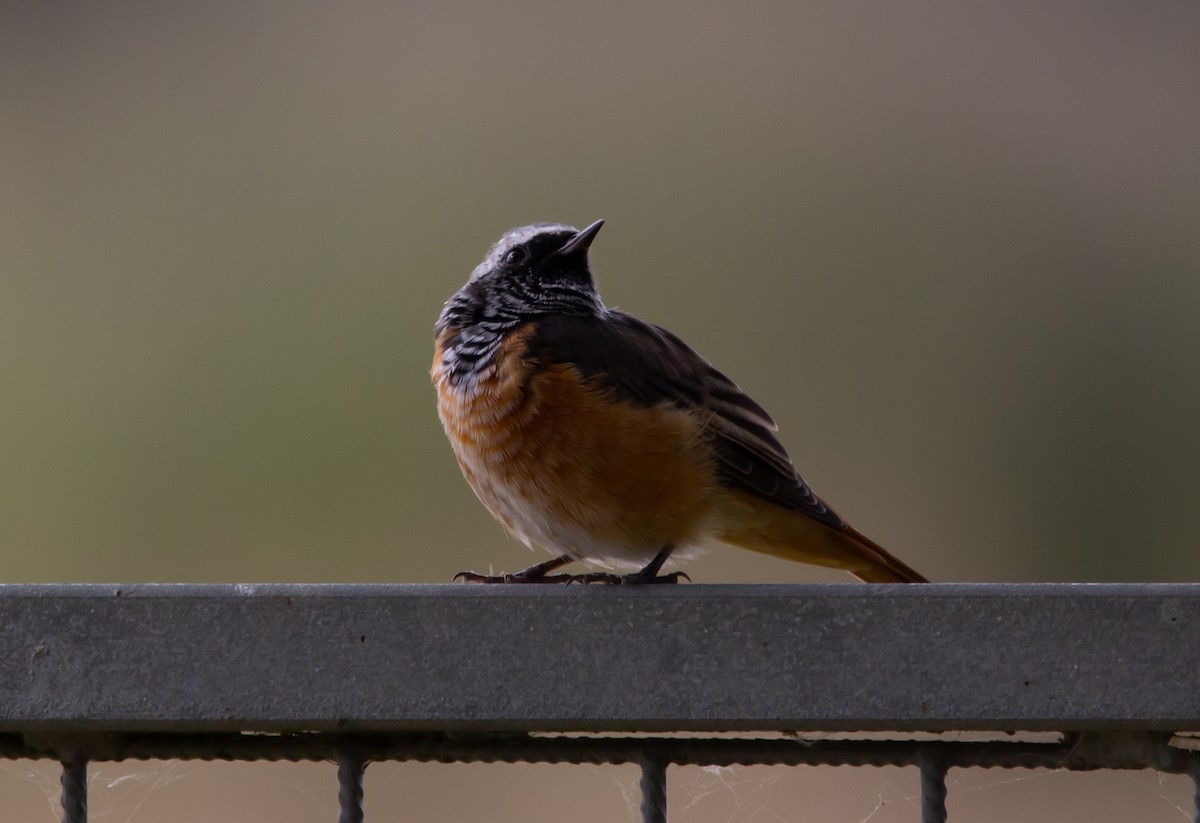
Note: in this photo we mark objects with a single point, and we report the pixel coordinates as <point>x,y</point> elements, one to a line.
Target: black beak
<point>581,241</point>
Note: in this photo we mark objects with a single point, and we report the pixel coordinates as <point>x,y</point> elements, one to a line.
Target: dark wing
<point>649,365</point>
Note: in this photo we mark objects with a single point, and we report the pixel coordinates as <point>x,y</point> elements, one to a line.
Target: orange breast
<point>571,467</point>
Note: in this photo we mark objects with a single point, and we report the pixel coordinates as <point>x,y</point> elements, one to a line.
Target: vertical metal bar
<point>350,789</point>
<point>933,787</point>
<point>1194,771</point>
<point>73,781</point>
<point>654,789</point>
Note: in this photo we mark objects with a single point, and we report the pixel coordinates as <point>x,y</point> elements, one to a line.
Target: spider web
<point>780,794</point>
<point>183,792</point>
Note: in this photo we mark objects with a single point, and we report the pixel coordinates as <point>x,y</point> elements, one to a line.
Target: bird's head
<point>535,270</point>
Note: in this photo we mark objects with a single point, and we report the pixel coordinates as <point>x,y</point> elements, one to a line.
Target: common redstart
<point>603,438</point>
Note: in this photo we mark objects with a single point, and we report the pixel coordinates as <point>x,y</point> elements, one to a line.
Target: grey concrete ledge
<point>210,658</point>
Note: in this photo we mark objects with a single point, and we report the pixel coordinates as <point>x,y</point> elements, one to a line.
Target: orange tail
<point>884,566</point>
<point>755,524</point>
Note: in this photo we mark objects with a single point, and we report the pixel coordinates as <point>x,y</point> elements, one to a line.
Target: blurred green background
<point>953,248</point>
<point>955,252</point>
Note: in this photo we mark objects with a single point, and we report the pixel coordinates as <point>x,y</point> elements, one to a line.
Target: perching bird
<point>603,438</point>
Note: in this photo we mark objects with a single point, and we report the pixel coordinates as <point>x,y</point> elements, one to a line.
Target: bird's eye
<point>515,256</point>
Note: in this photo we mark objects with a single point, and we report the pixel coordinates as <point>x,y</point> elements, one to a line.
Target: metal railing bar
<point>1195,773</point>
<point>350,788</point>
<point>1082,752</point>
<point>74,794</point>
<point>654,789</point>
<point>849,657</point>
<point>933,785</point>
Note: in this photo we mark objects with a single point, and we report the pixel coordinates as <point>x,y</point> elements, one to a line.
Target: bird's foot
<point>635,579</point>
<point>512,577</point>
<point>602,578</point>
<point>537,573</point>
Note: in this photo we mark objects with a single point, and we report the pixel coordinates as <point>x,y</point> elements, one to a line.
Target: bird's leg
<point>537,573</point>
<point>649,574</point>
